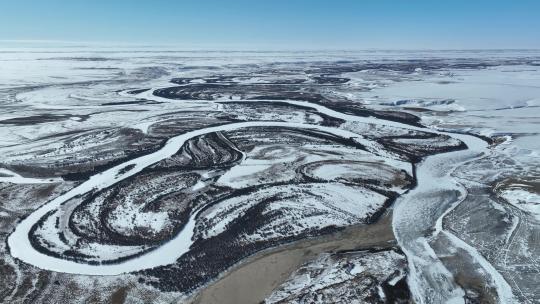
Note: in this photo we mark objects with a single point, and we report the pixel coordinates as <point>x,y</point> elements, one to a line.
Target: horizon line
<point>232,46</point>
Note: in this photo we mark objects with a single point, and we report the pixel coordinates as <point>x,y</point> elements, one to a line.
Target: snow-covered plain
<point>104,118</point>
<point>168,253</point>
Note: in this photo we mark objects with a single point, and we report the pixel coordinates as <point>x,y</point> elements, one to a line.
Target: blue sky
<point>279,24</point>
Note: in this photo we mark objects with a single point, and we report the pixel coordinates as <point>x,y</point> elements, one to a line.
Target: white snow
<point>494,97</point>
<point>523,199</point>
<point>163,255</point>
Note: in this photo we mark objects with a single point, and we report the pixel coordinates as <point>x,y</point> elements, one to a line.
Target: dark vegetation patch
<point>42,118</point>
<point>397,293</point>
<point>126,169</point>
<point>121,103</point>
<point>284,107</point>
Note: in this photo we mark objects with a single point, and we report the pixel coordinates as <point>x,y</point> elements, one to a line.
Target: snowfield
<point>164,171</point>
